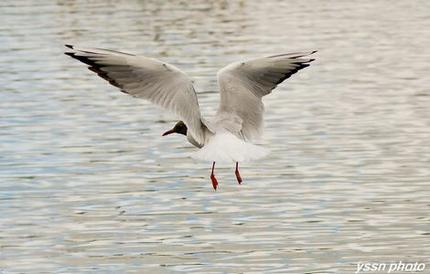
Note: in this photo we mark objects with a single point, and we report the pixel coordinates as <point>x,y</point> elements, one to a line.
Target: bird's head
<point>180,128</point>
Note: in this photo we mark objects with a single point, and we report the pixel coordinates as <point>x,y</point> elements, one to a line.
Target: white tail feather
<point>226,147</point>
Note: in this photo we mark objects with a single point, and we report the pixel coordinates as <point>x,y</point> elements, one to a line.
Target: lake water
<point>89,186</point>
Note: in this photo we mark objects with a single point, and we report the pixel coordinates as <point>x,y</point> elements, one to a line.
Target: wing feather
<point>146,78</point>
<point>243,84</point>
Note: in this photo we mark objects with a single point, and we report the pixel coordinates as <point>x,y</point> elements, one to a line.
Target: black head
<point>180,128</point>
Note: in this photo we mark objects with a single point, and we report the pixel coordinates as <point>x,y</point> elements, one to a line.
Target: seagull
<point>238,123</point>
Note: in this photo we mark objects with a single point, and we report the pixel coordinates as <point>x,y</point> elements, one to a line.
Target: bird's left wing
<point>243,84</point>
<point>146,78</point>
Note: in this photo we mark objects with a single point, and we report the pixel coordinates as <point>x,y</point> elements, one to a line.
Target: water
<point>88,185</point>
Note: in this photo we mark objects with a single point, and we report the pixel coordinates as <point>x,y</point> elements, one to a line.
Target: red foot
<point>239,179</point>
<point>214,181</point>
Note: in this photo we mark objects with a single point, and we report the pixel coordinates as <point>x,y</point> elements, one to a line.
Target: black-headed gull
<point>239,119</point>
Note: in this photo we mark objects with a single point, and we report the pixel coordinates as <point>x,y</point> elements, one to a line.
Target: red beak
<point>168,132</point>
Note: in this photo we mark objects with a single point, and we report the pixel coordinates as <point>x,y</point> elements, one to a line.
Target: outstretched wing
<point>243,84</point>
<point>146,78</point>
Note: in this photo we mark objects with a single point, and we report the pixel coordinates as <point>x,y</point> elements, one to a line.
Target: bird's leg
<point>239,179</point>
<point>213,179</point>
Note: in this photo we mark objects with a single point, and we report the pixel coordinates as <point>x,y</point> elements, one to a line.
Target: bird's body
<point>238,122</point>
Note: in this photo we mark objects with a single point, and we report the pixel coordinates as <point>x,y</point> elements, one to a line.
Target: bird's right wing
<point>243,84</point>
<point>147,78</point>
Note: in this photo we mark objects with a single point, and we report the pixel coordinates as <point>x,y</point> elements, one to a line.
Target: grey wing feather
<point>243,84</point>
<point>147,78</point>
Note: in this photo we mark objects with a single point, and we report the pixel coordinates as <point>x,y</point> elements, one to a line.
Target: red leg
<point>239,179</point>
<point>213,179</point>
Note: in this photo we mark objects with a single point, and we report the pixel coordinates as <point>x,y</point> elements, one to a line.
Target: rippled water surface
<point>88,185</point>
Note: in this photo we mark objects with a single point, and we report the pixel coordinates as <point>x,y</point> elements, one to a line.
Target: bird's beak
<point>168,132</point>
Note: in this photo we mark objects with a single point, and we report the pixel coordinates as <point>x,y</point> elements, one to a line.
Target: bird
<point>232,134</point>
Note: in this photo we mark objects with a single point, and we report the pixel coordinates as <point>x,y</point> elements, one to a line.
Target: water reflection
<point>83,190</point>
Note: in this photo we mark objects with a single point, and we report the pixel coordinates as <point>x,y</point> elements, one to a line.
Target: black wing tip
<point>97,68</point>
<point>302,61</point>
<point>300,66</point>
<point>71,54</point>
<point>103,74</point>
